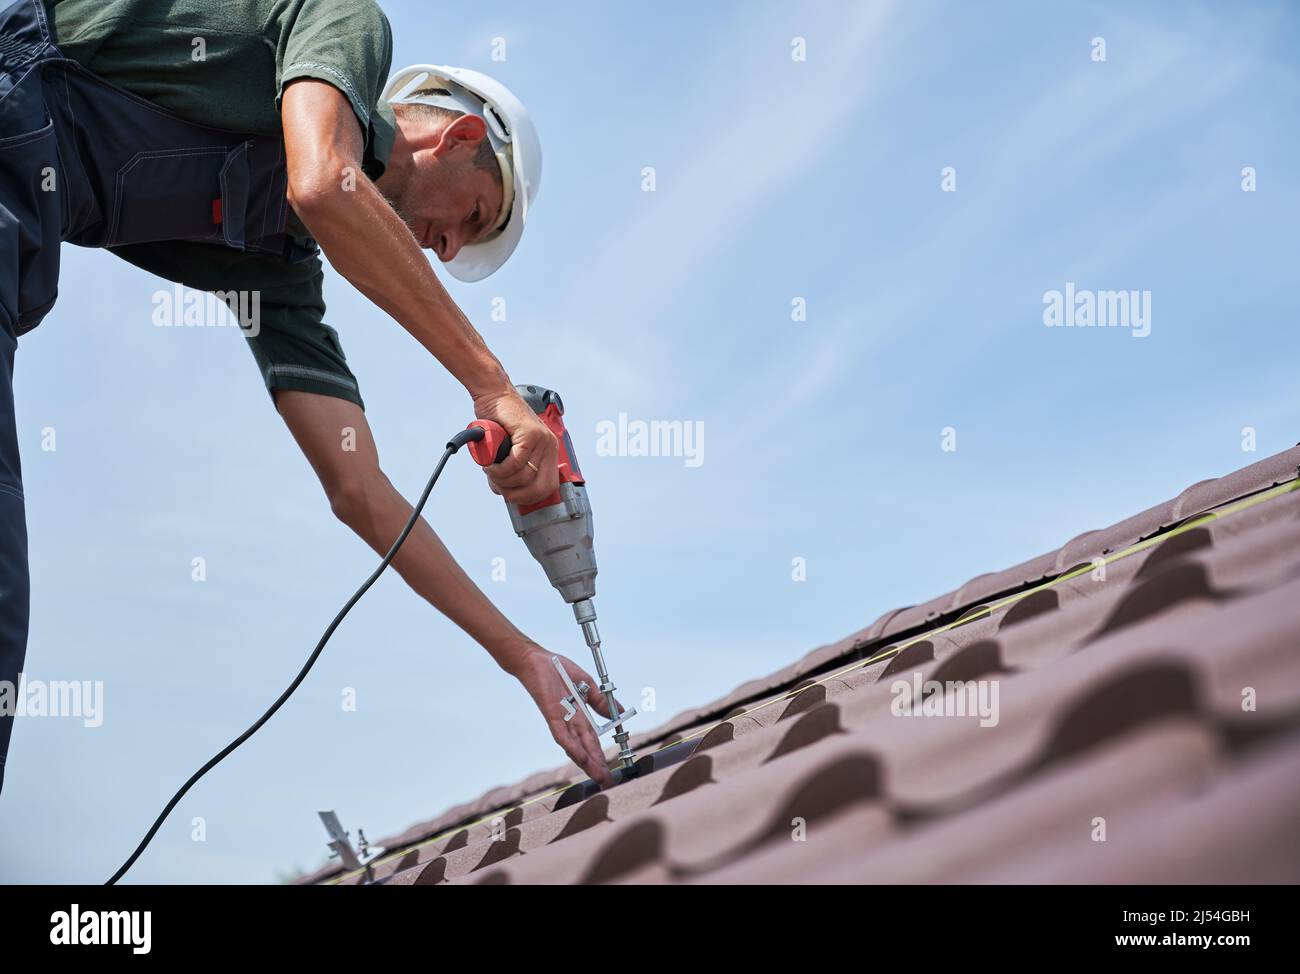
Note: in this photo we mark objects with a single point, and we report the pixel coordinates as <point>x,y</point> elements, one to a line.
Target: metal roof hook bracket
<point>341,847</point>
<point>577,697</point>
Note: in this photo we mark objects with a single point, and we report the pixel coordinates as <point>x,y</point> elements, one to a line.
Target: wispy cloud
<point>756,121</point>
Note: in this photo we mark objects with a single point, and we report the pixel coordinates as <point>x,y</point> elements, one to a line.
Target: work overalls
<point>84,161</point>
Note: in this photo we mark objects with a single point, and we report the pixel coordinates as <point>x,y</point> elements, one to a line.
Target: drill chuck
<point>585,613</point>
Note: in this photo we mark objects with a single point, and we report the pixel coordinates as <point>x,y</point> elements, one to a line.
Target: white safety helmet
<point>513,139</point>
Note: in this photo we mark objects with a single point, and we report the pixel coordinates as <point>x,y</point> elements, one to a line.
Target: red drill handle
<point>495,445</point>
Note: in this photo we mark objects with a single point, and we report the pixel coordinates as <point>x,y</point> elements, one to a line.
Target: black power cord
<point>469,435</point>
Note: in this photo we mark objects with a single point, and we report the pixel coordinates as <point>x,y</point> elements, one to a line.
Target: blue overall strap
<point>30,228</point>
<point>13,545</point>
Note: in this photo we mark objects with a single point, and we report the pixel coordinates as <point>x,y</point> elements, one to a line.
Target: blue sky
<point>774,179</point>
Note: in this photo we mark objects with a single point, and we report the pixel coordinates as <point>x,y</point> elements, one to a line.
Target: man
<point>216,143</point>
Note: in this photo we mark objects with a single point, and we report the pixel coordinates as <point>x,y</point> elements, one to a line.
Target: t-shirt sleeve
<point>286,333</point>
<point>349,44</point>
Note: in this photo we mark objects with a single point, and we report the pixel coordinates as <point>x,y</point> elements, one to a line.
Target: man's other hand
<point>578,738</point>
<point>529,474</point>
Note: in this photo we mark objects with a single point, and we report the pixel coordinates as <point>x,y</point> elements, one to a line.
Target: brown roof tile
<point>1156,696</point>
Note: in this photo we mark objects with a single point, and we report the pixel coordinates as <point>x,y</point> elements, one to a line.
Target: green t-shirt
<point>225,63</point>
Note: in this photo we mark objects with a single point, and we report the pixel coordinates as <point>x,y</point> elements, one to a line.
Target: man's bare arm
<point>367,242</point>
<point>363,498</point>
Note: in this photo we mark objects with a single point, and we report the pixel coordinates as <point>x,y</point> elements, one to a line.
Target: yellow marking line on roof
<point>1196,522</point>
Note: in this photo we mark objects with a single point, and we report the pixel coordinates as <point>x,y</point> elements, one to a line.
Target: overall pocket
<point>31,222</point>
<point>196,193</point>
